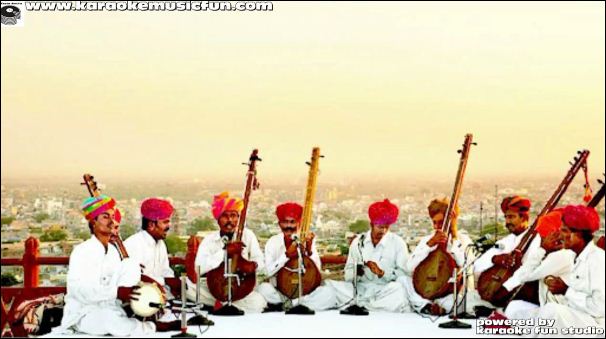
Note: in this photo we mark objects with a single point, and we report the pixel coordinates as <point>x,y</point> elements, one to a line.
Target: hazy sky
<point>385,89</point>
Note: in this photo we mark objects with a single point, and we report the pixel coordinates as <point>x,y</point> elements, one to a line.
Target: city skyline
<point>390,98</point>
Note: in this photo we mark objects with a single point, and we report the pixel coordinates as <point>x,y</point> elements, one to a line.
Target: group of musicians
<point>564,260</point>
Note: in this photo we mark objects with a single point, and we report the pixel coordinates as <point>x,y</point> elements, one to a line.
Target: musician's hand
<point>438,238</point>
<point>374,268</point>
<point>291,251</point>
<point>360,270</point>
<point>128,293</point>
<point>234,248</point>
<point>556,285</point>
<point>248,267</point>
<point>505,260</point>
<point>148,279</point>
<point>552,242</point>
<point>309,240</point>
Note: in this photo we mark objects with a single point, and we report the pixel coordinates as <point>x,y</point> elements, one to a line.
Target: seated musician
<point>98,281</point>
<point>226,211</point>
<point>517,214</point>
<point>381,257</point>
<point>581,292</point>
<point>457,244</point>
<point>279,249</point>
<point>147,247</point>
<point>556,261</point>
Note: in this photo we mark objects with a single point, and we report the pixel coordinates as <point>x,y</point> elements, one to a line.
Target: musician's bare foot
<point>433,309</point>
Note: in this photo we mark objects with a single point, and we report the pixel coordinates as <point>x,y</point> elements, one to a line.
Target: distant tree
<point>7,220</point>
<point>126,230</point>
<point>8,280</point>
<point>359,226</point>
<point>40,217</point>
<point>175,245</point>
<point>82,234</point>
<point>201,225</point>
<point>53,235</point>
<point>344,249</point>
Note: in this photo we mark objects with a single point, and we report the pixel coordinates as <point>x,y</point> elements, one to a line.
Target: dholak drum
<point>150,300</point>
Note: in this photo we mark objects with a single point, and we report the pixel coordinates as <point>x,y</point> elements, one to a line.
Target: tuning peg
<point>321,156</point>
<point>460,151</point>
<point>308,163</point>
<point>474,143</point>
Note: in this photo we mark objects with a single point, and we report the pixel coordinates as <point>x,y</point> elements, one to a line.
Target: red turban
<point>117,215</point>
<point>289,210</point>
<point>581,218</point>
<point>383,213</point>
<point>549,223</point>
<point>516,204</point>
<point>156,209</point>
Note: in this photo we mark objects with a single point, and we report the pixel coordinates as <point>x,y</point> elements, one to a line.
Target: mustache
<point>290,229</point>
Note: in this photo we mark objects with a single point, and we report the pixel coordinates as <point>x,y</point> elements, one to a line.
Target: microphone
<point>362,238</point>
<point>483,239</point>
<point>484,243</point>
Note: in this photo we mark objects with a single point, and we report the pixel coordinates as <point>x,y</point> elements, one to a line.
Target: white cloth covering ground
<point>329,324</point>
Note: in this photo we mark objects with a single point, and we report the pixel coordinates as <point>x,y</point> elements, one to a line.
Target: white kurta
<point>211,254</point>
<point>323,298</point>
<point>557,264</point>
<point>503,246</point>
<point>583,303</point>
<point>374,293</point>
<point>91,304</point>
<point>456,247</point>
<point>152,254</point>
<point>507,245</point>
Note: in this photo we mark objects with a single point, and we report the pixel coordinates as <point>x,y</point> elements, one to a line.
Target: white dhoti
<point>321,299</point>
<point>252,303</point>
<point>417,302</point>
<point>566,317</point>
<point>114,322</point>
<point>389,297</point>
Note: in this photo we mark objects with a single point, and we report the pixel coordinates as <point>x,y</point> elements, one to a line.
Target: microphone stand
<point>354,308</point>
<point>184,308</point>
<point>466,275</point>
<point>300,309</point>
<point>455,323</point>
<point>229,309</point>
